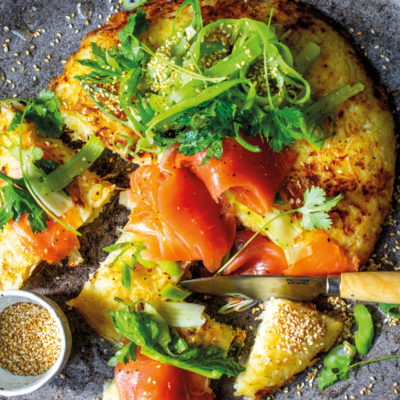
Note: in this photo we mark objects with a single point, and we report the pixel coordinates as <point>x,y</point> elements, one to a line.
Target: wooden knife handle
<point>377,287</point>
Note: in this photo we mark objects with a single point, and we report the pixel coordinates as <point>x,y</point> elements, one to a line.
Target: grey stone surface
<point>83,377</point>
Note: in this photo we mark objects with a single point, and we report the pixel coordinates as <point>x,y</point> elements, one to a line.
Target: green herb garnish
<point>337,365</point>
<point>16,200</point>
<point>44,112</point>
<point>144,326</point>
<point>316,207</point>
<point>124,355</point>
<point>199,88</point>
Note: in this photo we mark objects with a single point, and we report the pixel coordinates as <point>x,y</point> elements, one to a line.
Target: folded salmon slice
<point>254,178</point>
<point>178,219</point>
<point>318,254</point>
<point>260,257</point>
<point>315,254</point>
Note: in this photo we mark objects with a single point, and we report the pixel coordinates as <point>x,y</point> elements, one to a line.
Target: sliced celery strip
<point>306,57</point>
<point>81,161</point>
<point>172,292</point>
<point>180,314</point>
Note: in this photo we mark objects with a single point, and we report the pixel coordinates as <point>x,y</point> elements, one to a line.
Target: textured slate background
<point>373,24</point>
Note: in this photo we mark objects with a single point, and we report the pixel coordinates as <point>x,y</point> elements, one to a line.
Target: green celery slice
<point>81,161</point>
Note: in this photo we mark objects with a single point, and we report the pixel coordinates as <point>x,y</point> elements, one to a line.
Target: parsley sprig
<point>44,112</point>
<point>314,213</point>
<point>145,327</point>
<point>16,200</point>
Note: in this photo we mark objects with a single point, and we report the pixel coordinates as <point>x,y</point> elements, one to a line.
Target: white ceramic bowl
<point>14,385</point>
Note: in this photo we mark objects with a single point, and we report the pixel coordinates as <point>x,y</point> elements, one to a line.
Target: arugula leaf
<point>144,326</point>
<point>124,355</point>
<point>315,208</point>
<point>16,201</point>
<point>44,112</point>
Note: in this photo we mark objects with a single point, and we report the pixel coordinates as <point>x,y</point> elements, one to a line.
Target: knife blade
<point>364,286</point>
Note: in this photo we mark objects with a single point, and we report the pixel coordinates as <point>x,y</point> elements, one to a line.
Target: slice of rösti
<point>99,293</point>
<point>90,193</point>
<point>288,338</point>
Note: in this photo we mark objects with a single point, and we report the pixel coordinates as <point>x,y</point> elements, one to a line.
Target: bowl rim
<point>64,331</point>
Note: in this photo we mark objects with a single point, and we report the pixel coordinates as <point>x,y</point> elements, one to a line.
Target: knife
<point>377,287</point>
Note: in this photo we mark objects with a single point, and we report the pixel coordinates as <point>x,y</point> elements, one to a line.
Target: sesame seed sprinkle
<point>29,339</point>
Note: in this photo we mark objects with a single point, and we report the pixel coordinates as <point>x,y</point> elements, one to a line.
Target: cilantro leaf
<point>145,327</point>
<point>282,127</point>
<point>316,207</point>
<point>45,113</point>
<point>16,201</point>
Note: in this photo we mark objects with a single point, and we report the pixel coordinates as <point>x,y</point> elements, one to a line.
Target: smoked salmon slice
<point>318,254</point>
<point>254,178</point>
<point>52,245</point>
<point>147,379</point>
<point>315,254</point>
<point>178,219</point>
<point>260,257</point>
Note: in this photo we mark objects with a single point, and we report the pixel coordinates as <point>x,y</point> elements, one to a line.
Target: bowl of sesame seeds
<point>35,341</point>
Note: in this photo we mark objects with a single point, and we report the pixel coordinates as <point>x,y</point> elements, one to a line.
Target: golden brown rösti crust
<point>358,160</point>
